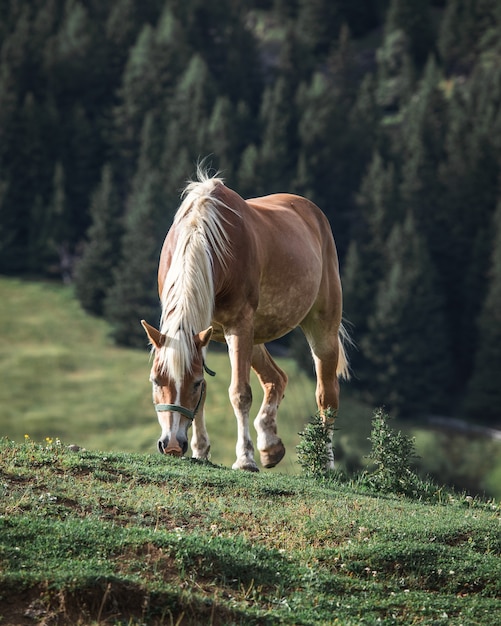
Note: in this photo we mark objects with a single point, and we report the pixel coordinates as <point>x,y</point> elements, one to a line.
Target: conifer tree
<point>469,175</point>
<point>462,30</point>
<point>138,85</point>
<point>27,177</point>
<point>15,50</point>
<point>421,150</point>
<point>320,23</point>
<point>149,81</point>
<point>74,42</point>
<point>279,122</point>
<point>219,34</point>
<point>81,151</point>
<point>221,136</point>
<point>366,262</point>
<point>331,157</point>
<point>406,344</point>
<point>188,114</point>
<point>483,401</point>
<point>315,102</point>
<point>94,272</point>
<point>133,295</point>
<point>248,173</point>
<point>396,72</point>
<point>364,120</point>
<point>121,27</point>
<point>413,17</point>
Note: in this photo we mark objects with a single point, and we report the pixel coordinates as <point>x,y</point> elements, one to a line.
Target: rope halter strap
<point>177,408</point>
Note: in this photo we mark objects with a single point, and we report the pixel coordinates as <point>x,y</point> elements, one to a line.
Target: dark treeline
<point>386,113</point>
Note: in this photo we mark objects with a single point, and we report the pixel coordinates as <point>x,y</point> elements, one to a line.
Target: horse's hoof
<point>201,455</point>
<point>272,456</point>
<point>248,466</point>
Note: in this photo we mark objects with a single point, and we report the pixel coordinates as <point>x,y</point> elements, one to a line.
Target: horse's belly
<point>281,310</point>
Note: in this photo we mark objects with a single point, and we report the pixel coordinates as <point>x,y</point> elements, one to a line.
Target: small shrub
<point>312,453</point>
<point>392,453</point>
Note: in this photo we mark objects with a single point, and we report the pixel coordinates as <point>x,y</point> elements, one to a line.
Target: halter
<point>182,409</point>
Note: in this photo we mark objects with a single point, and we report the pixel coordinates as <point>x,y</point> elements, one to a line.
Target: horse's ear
<point>204,336</point>
<point>154,335</point>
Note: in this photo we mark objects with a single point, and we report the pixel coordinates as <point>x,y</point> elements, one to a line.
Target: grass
<point>122,538</point>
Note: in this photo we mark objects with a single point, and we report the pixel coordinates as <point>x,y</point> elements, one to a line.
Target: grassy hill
<point>95,538</point>
<point>115,534</point>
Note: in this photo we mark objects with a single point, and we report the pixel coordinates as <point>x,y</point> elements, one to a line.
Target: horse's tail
<point>343,365</point>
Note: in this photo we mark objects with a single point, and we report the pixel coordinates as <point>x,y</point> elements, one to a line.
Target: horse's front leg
<point>200,445</point>
<point>240,353</point>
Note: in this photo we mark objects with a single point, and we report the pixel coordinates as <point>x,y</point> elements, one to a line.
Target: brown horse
<point>243,272</point>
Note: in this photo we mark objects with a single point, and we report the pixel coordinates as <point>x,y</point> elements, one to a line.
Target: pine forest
<point>385,113</point>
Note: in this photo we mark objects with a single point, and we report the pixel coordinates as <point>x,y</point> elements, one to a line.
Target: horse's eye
<point>197,384</point>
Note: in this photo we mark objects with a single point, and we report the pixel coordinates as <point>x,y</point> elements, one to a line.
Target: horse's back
<point>285,207</point>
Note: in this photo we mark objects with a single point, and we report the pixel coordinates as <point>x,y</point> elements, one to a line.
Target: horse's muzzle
<point>173,448</point>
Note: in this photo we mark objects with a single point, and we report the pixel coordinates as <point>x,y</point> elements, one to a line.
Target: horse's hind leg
<point>273,381</point>
<point>325,351</point>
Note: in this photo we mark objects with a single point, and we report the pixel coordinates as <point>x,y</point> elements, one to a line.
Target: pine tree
<point>133,295</point>
<point>136,91</point>
<point>469,175</point>
<point>94,272</point>
<point>74,44</point>
<point>413,17</point>
<point>121,26</point>
<point>462,31</point>
<point>27,182</point>
<point>483,401</point>
<point>279,123</point>
<point>82,153</point>
<point>396,72</point>
<point>149,80</point>
<point>221,137</point>
<point>219,34</point>
<point>334,145</point>
<point>406,344</point>
<point>320,22</point>
<point>76,62</point>
<point>366,262</point>
<point>188,114</point>
<point>248,176</point>
<point>421,150</point>
<point>330,162</point>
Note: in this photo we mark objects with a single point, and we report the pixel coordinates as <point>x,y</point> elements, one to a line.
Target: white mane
<point>188,292</point>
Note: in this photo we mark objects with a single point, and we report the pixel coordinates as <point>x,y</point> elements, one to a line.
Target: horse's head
<point>177,402</point>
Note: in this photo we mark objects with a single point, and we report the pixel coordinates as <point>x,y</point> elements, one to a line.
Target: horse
<point>244,273</point>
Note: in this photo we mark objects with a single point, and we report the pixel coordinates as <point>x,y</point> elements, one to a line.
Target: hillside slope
<point>88,538</point>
